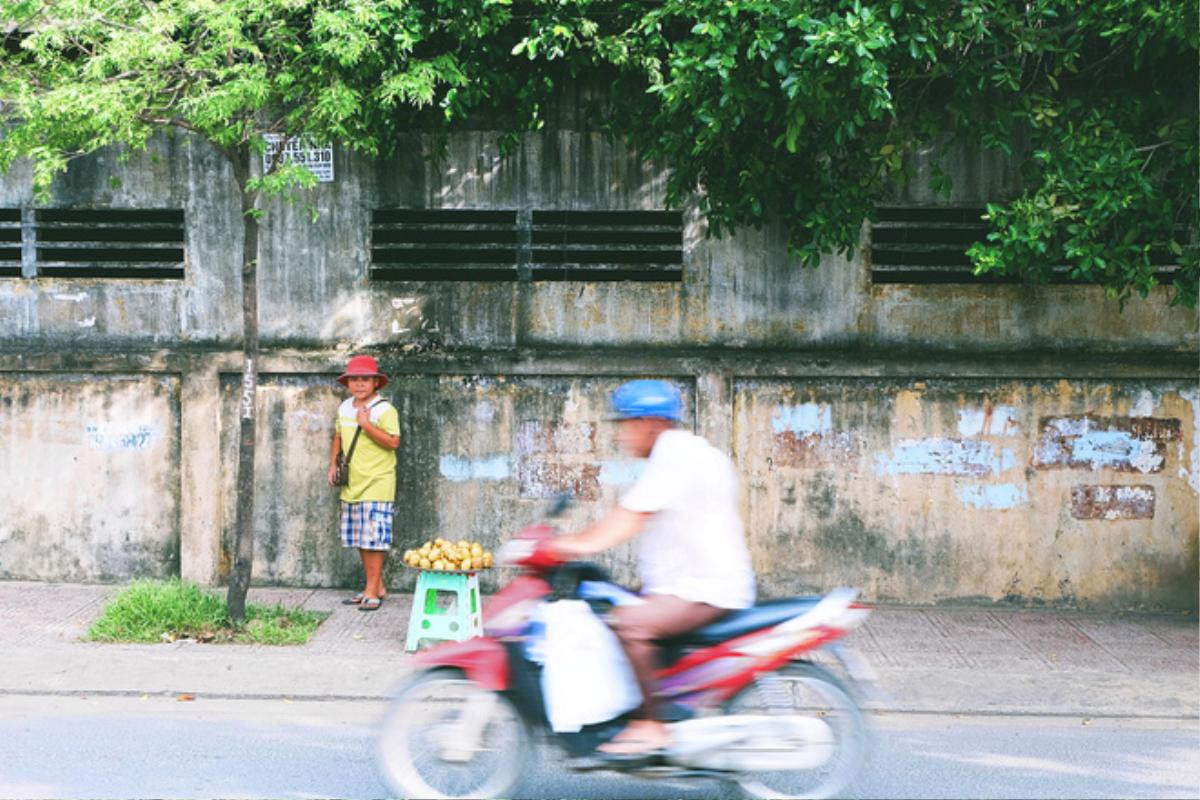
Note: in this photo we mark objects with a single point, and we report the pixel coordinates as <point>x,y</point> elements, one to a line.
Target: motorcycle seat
<point>743,621</point>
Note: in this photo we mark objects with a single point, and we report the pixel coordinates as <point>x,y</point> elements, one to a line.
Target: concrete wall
<point>927,443</point>
<point>91,476</point>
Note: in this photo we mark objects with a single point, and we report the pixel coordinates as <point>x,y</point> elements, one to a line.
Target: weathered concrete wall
<point>858,413</point>
<point>480,456</point>
<point>1075,491</point>
<point>741,292</point>
<point>86,313</point>
<point>91,476</point>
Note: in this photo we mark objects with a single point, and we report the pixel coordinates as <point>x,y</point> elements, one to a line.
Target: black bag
<point>341,464</point>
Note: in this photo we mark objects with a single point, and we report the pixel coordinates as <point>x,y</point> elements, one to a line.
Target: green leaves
<point>1090,212</point>
<point>804,111</point>
<point>800,111</point>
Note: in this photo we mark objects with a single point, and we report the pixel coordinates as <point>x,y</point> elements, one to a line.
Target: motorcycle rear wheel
<point>419,732</point>
<point>811,691</point>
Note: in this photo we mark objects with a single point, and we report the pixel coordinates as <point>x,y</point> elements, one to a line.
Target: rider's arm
<point>619,525</point>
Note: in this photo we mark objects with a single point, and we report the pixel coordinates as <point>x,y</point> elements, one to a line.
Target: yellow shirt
<point>373,468</point>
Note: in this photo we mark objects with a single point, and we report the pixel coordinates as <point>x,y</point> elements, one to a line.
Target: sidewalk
<point>947,660</point>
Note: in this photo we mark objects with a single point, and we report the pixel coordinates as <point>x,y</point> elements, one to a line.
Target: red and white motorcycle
<point>745,702</point>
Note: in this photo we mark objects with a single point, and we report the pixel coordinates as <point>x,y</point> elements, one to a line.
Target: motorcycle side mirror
<point>562,501</point>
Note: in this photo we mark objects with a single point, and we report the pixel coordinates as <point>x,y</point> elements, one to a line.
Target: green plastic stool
<point>445,608</point>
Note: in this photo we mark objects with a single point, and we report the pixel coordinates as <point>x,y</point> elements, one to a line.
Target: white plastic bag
<point>587,678</point>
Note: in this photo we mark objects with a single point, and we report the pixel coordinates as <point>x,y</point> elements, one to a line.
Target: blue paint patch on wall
<point>1115,449</point>
<point>970,458</point>
<point>993,496</point>
<point>621,472</point>
<point>491,468</point>
<point>805,419</point>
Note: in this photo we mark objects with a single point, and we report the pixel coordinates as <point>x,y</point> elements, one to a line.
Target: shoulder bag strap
<point>358,430</point>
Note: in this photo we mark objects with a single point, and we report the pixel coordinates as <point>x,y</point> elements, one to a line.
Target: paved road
<point>135,747</point>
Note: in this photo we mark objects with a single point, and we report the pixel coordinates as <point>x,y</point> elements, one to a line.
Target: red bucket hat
<point>361,366</point>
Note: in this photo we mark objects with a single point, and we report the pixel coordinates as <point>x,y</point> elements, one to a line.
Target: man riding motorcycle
<point>693,560</point>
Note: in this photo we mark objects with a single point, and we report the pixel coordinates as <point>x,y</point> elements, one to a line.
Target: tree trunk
<point>239,581</point>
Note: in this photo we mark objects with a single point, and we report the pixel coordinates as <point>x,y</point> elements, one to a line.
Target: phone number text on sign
<point>317,159</point>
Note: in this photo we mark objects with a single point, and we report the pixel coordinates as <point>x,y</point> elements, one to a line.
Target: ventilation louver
<point>10,242</point>
<point>109,243</point>
<point>443,245</point>
<point>607,246</point>
<point>503,245</point>
<point>925,245</point>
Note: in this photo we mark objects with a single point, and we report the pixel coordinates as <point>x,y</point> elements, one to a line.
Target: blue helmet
<point>647,398</point>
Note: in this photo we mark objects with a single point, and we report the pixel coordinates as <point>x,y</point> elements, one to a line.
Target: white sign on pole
<point>317,159</point>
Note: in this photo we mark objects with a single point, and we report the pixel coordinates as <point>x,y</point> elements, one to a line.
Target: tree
<point>804,110</point>
<point>80,75</point>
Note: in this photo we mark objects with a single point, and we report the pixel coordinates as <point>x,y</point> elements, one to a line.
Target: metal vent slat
<point>445,273</point>
<point>436,216</point>
<point>611,274</point>
<point>110,216</point>
<point>381,256</point>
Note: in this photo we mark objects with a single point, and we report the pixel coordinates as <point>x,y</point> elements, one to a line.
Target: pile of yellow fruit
<point>440,554</point>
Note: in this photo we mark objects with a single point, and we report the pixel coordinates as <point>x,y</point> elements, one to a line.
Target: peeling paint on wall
<point>806,419</point>
<point>1126,444</point>
<point>915,517</point>
<point>542,479</point>
<point>789,449</point>
<point>413,315</point>
<point>1192,396</point>
<point>969,458</point>
<point>488,468</point>
<point>549,459</point>
<point>1144,404</point>
<point>1112,502</point>
<point>804,436</point>
<point>989,421</point>
<point>993,496</point>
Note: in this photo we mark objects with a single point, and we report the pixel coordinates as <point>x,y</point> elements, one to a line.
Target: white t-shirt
<point>693,546</point>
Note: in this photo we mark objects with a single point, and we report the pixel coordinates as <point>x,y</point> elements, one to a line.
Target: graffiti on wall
<point>113,438</point>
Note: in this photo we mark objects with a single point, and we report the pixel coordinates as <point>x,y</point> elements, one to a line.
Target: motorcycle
<point>743,698</point>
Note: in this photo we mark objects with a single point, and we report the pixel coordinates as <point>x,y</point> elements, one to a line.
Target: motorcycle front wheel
<point>805,690</point>
<point>445,737</point>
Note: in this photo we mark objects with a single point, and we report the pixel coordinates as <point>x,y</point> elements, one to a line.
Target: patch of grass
<point>157,611</point>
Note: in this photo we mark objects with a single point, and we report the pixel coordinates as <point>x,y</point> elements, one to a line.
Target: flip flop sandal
<point>353,601</point>
<point>370,604</point>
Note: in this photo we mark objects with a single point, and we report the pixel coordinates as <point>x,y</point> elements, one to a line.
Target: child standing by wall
<point>368,498</point>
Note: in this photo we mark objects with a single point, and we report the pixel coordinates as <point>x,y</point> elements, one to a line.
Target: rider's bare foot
<point>639,737</point>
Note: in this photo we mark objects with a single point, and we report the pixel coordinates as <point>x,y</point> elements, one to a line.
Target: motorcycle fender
<point>483,660</point>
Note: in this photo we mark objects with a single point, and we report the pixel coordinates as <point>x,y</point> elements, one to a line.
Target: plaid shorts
<point>367,525</point>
